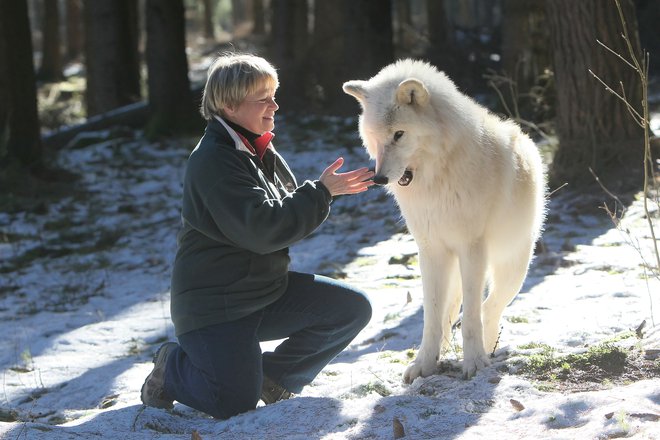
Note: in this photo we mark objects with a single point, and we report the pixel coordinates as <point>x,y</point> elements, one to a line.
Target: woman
<point>231,286</point>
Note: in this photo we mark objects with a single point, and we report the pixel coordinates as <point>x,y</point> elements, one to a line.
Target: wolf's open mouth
<point>406,178</point>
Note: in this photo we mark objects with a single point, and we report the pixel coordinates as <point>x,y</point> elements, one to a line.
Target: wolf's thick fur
<point>475,204</point>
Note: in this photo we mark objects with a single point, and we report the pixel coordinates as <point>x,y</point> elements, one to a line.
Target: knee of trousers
<point>359,312</point>
<point>227,405</point>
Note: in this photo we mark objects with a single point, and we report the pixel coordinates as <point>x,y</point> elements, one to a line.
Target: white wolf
<point>471,188</point>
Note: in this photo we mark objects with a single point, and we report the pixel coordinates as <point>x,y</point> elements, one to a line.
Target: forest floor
<point>84,303</point>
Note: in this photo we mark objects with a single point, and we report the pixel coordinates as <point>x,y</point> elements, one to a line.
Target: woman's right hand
<point>351,182</point>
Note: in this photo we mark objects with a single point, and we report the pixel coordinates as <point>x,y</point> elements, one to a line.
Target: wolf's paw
<point>473,363</point>
<point>419,368</point>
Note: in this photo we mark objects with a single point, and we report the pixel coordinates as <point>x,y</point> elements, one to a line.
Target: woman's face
<point>256,113</point>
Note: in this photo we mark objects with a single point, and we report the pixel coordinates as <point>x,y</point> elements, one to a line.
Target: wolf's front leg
<point>436,267</point>
<point>473,274</point>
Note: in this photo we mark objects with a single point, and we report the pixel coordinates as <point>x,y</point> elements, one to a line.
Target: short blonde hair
<point>231,77</point>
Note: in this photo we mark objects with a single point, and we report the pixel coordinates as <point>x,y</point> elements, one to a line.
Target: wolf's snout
<point>380,180</point>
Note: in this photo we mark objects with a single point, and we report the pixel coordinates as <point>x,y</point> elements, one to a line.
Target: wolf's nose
<point>380,180</point>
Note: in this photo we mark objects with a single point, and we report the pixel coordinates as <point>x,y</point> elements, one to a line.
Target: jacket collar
<point>257,147</point>
<point>220,127</point>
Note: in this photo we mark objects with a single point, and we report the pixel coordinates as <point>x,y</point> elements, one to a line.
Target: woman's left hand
<point>351,182</point>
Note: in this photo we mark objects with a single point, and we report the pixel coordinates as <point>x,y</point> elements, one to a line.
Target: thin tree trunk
<point>207,17</point>
<point>526,59</point>
<point>289,46</point>
<point>352,39</point>
<point>441,51</point>
<point>237,13</point>
<point>51,61</point>
<point>73,29</point>
<point>20,138</point>
<point>170,102</point>
<point>111,54</point>
<point>259,27</point>
<point>404,24</point>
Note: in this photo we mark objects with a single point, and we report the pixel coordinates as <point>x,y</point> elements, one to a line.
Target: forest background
<point>67,62</point>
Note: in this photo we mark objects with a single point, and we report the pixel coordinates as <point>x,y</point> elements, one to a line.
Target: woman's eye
<point>397,135</point>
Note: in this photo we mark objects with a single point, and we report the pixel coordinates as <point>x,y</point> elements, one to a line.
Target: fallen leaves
<point>397,428</point>
<point>646,417</point>
<point>517,405</point>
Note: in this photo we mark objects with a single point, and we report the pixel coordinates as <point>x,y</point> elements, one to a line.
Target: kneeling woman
<point>231,284</point>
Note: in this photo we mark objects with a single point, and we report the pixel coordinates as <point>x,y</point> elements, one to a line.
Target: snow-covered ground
<point>84,304</point>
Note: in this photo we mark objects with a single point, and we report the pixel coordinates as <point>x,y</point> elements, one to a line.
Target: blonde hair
<point>233,76</point>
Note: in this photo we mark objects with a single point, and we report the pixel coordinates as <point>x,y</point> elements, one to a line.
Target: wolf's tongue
<point>406,178</point>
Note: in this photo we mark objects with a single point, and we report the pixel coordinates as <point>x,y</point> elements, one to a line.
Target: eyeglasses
<point>266,101</point>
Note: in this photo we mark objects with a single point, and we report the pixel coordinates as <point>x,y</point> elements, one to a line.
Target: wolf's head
<point>398,121</point>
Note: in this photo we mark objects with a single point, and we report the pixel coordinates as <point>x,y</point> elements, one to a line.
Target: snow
<point>84,304</point>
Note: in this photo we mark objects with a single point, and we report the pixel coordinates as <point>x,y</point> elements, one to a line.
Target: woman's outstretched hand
<point>351,182</point>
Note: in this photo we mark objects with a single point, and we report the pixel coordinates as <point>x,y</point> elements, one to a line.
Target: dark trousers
<point>219,369</point>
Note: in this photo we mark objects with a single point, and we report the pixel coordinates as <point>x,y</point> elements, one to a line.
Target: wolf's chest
<point>437,215</point>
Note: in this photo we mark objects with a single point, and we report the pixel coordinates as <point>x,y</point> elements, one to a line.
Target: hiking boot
<point>153,390</point>
<point>272,392</point>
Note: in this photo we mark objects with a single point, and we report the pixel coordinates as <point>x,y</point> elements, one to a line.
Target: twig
<point>611,194</point>
<point>609,89</point>
<point>616,53</point>
<point>137,415</point>
<point>565,184</point>
<point>493,81</point>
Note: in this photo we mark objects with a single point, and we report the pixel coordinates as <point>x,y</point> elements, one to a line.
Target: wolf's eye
<point>397,135</point>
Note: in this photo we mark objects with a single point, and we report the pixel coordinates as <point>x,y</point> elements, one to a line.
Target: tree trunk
<point>111,54</point>
<point>207,17</point>
<point>170,101</point>
<point>289,49</point>
<point>238,13</point>
<point>404,25</point>
<point>51,61</point>
<point>352,40</point>
<point>525,45</point>
<point>441,51</point>
<point>20,139</point>
<point>594,127</point>
<point>259,27</point>
<point>527,60</point>
<point>74,35</point>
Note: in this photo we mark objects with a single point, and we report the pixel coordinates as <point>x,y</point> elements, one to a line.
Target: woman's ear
<point>228,110</point>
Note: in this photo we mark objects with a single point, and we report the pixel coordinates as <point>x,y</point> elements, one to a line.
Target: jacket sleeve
<point>251,219</point>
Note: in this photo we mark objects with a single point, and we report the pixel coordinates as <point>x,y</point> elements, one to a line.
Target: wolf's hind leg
<point>507,279</point>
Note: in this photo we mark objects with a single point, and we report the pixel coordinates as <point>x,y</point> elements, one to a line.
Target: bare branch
<point>636,116</point>
<point>565,184</point>
<point>609,89</point>
<point>617,54</point>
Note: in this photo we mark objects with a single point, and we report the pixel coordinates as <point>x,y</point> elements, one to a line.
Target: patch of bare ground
<point>599,367</point>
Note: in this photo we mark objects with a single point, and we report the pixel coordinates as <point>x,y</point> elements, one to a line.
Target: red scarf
<point>259,145</point>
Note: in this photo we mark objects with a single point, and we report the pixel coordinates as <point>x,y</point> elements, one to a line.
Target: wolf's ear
<point>412,92</point>
<point>356,89</point>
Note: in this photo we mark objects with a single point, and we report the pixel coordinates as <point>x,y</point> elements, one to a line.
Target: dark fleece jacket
<point>239,216</point>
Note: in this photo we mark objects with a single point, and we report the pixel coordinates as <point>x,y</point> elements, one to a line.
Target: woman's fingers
<point>334,166</point>
<point>350,182</point>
